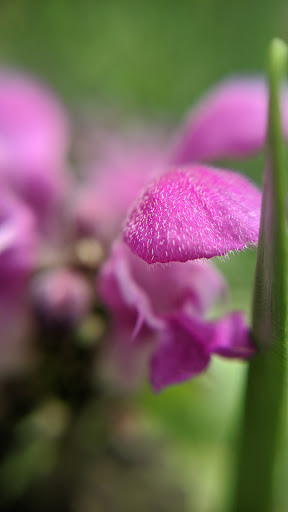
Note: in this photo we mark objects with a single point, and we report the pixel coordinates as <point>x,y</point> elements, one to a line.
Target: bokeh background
<point>151,59</point>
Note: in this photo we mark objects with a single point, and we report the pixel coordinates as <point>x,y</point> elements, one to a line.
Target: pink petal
<point>181,352</point>
<point>123,364</point>
<point>133,289</point>
<point>140,299</point>
<point>232,337</point>
<point>18,247</point>
<point>229,122</point>
<point>18,240</point>
<point>120,291</point>
<point>185,347</point>
<point>124,165</point>
<point>193,212</point>
<point>33,140</point>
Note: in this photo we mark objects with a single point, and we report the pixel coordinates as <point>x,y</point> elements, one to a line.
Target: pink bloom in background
<point>18,241</point>
<point>124,164</point>
<point>33,181</point>
<point>33,141</point>
<point>228,122</point>
<point>60,296</point>
<point>193,212</point>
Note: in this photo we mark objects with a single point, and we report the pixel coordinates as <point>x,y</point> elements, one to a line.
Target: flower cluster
<point>65,258</point>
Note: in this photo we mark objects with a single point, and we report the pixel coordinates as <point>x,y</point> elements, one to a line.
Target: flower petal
<point>229,122</point>
<point>124,164</point>
<point>185,347</point>
<point>232,337</point>
<point>123,364</point>
<point>33,140</point>
<point>120,291</point>
<point>18,250</point>
<point>181,352</point>
<point>18,240</point>
<point>133,289</point>
<point>193,212</point>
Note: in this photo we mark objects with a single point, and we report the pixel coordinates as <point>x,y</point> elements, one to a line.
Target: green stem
<point>266,383</point>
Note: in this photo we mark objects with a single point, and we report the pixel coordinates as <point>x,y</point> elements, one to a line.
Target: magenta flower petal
<point>232,337</point>
<point>18,241</point>
<point>123,364</point>
<point>184,349</point>
<point>121,292</point>
<point>229,122</point>
<point>33,140</point>
<point>141,298</point>
<point>18,246</point>
<point>182,352</point>
<point>133,290</point>
<point>193,212</point>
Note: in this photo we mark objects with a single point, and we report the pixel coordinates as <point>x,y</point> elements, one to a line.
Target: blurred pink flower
<point>33,141</point>
<point>33,182</point>
<point>60,296</point>
<point>111,182</point>
<point>18,241</point>
<point>229,122</point>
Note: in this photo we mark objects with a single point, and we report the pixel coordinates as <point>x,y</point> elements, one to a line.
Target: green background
<point>154,55</point>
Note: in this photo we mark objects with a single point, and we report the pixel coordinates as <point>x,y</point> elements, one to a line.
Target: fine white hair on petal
<point>199,211</point>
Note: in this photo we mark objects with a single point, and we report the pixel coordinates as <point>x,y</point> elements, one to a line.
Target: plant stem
<point>266,383</point>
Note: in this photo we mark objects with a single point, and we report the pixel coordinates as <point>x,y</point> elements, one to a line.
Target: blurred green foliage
<point>151,55</point>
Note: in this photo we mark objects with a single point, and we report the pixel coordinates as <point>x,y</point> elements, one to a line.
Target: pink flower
<point>123,165</point>
<point>158,313</point>
<point>190,213</point>
<point>18,241</point>
<point>200,212</point>
<point>33,141</point>
<point>60,296</point>
<point>229,122</point>
<point>33,181</point>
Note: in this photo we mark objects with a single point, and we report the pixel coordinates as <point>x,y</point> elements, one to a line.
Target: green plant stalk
<point>267,378</point>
